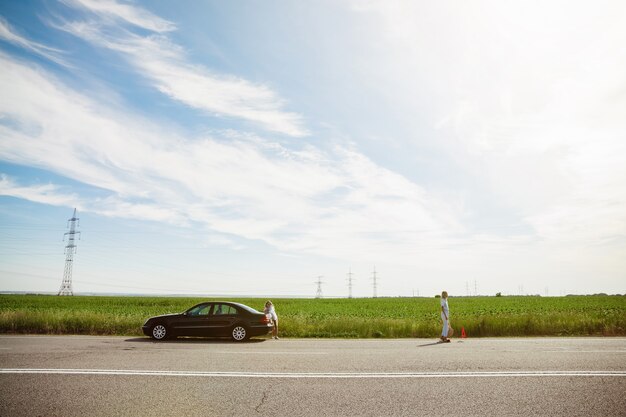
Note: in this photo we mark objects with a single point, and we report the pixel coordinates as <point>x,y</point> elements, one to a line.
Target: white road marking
<point>261,352</point>
<point>66,336</point>
<point>530,339</point>
<point>131,372</point>
<point>585,351</point>
<point>565,351</point>
<point>539,339</point>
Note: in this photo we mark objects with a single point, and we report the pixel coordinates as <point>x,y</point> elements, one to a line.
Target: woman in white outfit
<point>445,316</point>
<point>269,310</point>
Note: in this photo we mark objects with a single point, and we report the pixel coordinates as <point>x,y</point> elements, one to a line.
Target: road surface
<point>125,376</point>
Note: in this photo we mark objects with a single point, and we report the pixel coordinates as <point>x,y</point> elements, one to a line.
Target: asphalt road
<point>111,376</point>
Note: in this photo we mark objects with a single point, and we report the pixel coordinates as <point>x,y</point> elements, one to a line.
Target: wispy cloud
<point>112,206</point>
<point>41,193</point>
<point>336,203</point>
<point>165,64</point>
<point>127,12</point>
<point>8,34</point>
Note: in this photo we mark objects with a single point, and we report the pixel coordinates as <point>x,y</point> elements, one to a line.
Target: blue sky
<point>247,148</point>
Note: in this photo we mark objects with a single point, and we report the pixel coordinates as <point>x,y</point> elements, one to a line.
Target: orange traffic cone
<point>463,334</point>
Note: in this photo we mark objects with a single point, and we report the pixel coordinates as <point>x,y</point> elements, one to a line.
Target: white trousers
<point>446,325</point>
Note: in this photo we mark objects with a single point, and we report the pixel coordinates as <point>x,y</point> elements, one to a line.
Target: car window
<point>223,309</point>
<point>249,309</point>
<point>201,310</point>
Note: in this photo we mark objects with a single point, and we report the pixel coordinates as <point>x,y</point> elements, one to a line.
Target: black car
<point>210,319</point>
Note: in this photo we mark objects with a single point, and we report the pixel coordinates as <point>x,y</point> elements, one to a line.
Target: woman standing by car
<point>269,310</point>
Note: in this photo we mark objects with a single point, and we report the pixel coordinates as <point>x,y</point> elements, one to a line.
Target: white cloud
<point>113,206</point>
<point>44,194</point>
<point>532,115</point>
<point>164,63</point>
<point>8,34</point>
<point>308,201</point>
<point>528,99</point>
<point>126,12</point>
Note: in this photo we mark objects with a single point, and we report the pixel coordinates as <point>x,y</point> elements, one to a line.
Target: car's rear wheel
<point>159,332</point>
<point>239,333</point>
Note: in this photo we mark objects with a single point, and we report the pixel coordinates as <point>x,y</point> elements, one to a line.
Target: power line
<point>112,284</point>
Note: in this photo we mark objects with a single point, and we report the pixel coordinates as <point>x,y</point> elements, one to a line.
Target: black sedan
<point>210,319</point>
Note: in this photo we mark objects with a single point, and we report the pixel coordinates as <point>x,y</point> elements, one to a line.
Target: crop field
<point>344,318</point>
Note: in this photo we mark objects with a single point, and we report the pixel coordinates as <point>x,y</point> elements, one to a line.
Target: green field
<point>346,318</point>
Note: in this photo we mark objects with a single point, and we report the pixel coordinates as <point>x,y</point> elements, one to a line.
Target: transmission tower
<point>70,250</point>
<point>375,283</point>
<point>350,283</point>
<point>319,283</point>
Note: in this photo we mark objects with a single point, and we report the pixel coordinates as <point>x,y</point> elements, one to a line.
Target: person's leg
<point>444,330</point>
<point>275,329</point>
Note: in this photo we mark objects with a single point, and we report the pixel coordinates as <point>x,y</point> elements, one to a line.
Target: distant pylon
<point>70,250</point>
<point>350,283</point>
<point>375,283</point>
<point>319,283</point>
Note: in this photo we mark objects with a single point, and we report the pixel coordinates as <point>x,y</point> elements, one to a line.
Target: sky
<point>253,148</point>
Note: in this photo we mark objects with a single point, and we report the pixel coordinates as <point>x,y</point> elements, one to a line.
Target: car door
<point>194,321</point>
<point>222,318</point>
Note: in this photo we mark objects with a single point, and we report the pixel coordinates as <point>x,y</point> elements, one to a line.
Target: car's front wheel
<point>239,333</point>
<point>159,332</point>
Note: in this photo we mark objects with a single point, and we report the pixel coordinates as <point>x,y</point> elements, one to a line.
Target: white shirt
<point>270,310</point>
<point>444,305</point>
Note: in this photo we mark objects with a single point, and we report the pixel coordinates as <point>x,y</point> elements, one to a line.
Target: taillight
<point>265,319</point>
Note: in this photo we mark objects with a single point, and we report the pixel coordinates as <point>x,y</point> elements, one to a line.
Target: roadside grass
<point>342,318</point>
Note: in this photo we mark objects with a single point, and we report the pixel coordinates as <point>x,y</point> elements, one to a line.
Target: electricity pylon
<point>70,250</point>
<point>319,283</point>
<point>350,283</point>
<point>375,283</point>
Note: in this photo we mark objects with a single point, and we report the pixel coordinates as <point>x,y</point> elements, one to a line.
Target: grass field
<point>346,318</point>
